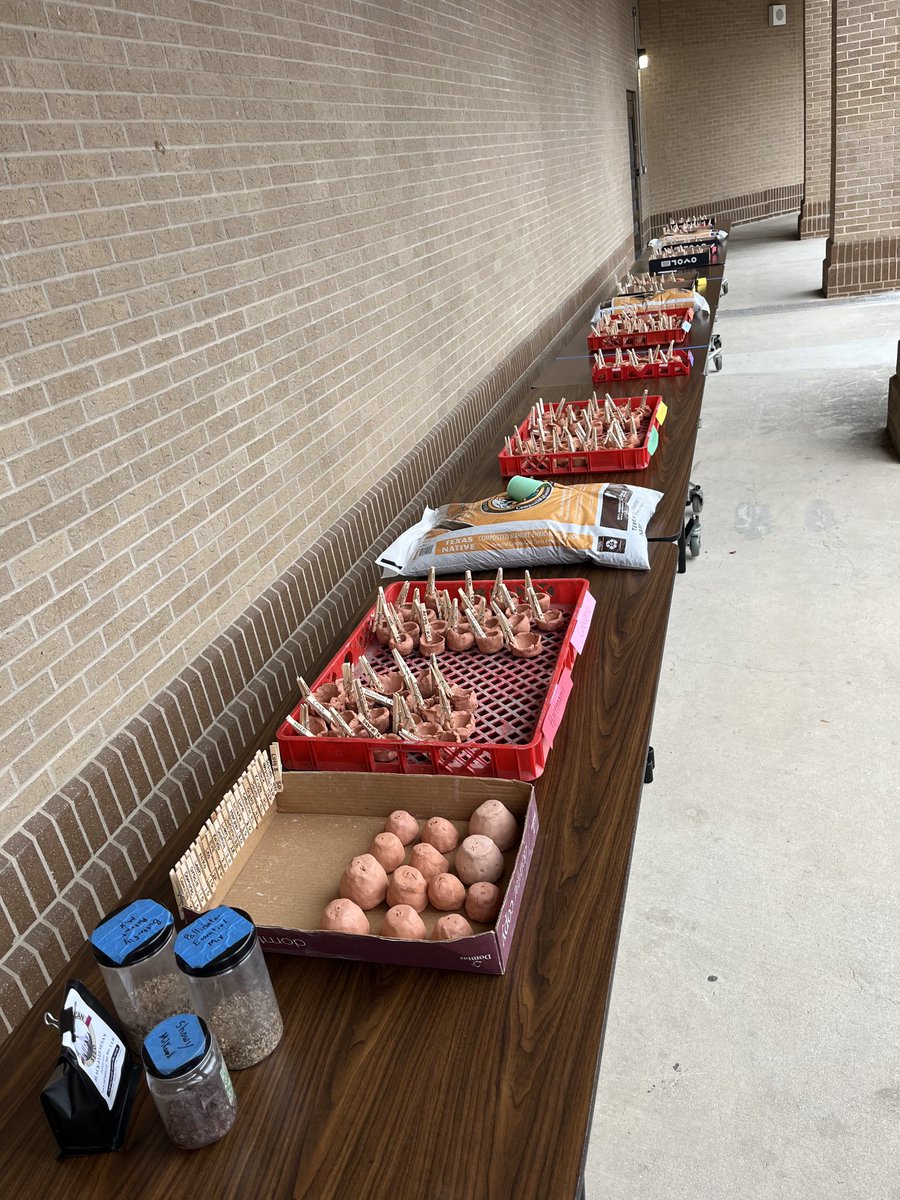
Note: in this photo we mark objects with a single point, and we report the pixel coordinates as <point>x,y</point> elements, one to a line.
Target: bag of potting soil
<point>88,1097</point>
<point>603,523</point>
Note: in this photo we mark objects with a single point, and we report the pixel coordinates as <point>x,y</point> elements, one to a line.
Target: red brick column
<point>816,206</point>
<point>864,242</point>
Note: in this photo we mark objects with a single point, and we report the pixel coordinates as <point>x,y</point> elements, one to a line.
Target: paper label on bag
<point>100,1052</point>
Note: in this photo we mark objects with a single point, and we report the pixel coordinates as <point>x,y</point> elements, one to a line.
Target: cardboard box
<point>290,866</point>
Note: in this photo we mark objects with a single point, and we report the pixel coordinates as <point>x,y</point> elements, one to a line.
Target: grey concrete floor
<point>753,1043</point>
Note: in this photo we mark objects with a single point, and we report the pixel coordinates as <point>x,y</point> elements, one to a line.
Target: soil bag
<point>602,523</point>
<point>88,1098</point>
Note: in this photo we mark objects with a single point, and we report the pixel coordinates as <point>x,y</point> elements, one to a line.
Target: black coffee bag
<point>88,1098</point>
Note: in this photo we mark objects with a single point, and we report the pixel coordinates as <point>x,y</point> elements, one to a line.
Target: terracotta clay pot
<point>526,645</point>
<point>491,643</point>
<point>405,646</point>
<point>391,682</point>
<point>436,646</point>
<point>382,633</point>
<point>519,623</point>
<point>463,699</point>
<point>458,640</point>
<point>551,620</point>
<point>411,629</point>
<point>387,756</point>
<point>427,731</point>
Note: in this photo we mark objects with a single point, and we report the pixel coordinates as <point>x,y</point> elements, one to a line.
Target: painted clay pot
<point>526,645</point>
<point>451,928</point>
<point>343,916</point>
<point>408,886</point>
<point>428,861</point>
<point>494,820</point>
<point>491,643</point>
<point>441,834</point>
<point>403,824</point>
<point>478,859</point>
<point>389,850</point>
<point>550,620</point>
<point>459,640</point>
<point>483,902</point>
<point>446,892</point>
<point>364,882</point>
<point>402,921</point>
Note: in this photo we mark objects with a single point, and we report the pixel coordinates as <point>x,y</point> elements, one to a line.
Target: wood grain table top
<point>401,1084</point>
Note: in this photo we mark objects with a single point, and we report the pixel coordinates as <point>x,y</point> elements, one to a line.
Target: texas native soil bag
<point>604,523</point>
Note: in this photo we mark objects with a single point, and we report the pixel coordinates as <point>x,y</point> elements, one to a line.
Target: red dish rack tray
<point>591,461</point>
<point>679,363</point>
<point>521,701</point>
<point>658,337</point>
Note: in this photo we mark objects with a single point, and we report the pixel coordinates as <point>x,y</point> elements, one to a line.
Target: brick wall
<point>250,261</point>
<point>863,251</point>
<point>816,208</point>
<point>723,107</point>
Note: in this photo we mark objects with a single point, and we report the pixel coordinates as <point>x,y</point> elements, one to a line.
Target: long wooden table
<point>400,1084</point>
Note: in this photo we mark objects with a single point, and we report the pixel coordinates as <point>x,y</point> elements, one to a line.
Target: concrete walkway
<point>753,1044</point>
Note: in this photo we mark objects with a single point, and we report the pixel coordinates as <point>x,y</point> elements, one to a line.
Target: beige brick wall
<point>251,254</point>
<point>723,101</point>
<point>816,118</point>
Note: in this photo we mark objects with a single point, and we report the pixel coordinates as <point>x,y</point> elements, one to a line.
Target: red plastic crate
<point>590,462</point>
<point>521,701</point>
<point>660,337</point>
<point>679,363</point>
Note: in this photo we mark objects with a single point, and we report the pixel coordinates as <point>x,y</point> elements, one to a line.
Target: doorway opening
<point>634,155</point>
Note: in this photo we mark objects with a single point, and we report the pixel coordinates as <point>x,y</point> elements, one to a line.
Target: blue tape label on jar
<point>212,934</point>
<point>128,930</point>
<point>175,1042</point>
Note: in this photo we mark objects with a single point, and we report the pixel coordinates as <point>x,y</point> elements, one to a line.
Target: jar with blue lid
<point>229,982</point>
<point>189,1081</point>
<point>134,947</point>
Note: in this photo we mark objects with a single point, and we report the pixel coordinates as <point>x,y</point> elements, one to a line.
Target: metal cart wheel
<point>724,286</point>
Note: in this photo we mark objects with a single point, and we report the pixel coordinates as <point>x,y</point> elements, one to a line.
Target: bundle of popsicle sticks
<point>635,320</point>
<point>582,427</point>
<point>652,356</point>
<point>204,864</point>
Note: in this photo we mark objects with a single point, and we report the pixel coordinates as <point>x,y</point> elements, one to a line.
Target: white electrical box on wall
<point>777,14</point>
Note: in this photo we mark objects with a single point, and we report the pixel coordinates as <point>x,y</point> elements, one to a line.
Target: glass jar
<point>135,949</point>
<point>189,1081</point>
<point>230,986</point>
